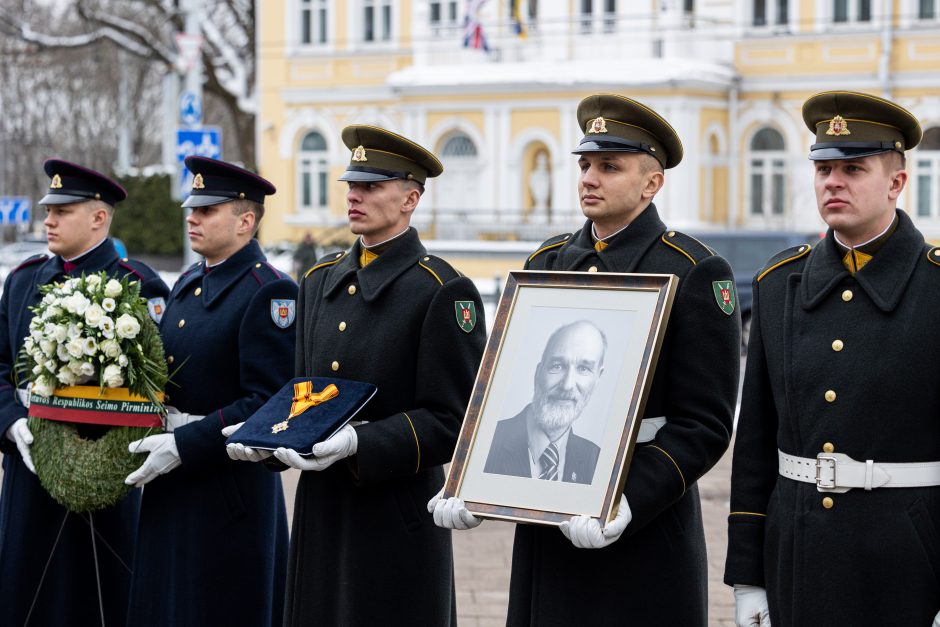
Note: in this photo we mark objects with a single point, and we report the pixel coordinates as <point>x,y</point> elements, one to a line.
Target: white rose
<point>112,376</point>
<point>122,361</point>
<point>62,353</point>
<point>49,365</point>
<point>36,334</point>
<point>93,280</point>
<point>108,304</point>
<point>107,327</point>
<point>89,345</point>
<point>111,348</point>
<point>37,369</point>
<point>48,299</point>
<point>86,368</point>
<point>127,327</point>
<point>60,333</point>
<point>66,287</point>
<point>43,387</point>
<point>75,347</point>
<point>81,303</point>
<point>48,329</point>
<point>113,288</point>
<point>46,347</point>
<point>29,344</point>
<point>93,315</point>
<point>74,331</point>
<point>66,376</point>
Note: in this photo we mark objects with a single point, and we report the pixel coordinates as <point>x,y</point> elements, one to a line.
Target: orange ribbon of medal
<point>305,397</point>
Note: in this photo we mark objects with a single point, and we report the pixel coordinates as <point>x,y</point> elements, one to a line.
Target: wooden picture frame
<point>570,353</point>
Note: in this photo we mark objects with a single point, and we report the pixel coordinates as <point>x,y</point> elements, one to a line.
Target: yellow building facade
<point>730,75</point>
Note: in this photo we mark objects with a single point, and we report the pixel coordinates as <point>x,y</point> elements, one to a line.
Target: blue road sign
<point>190,109</point>
<point>15,209</point>
<point>205,142</point>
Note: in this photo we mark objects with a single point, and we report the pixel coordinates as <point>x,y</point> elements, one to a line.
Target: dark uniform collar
<point>403,253</point>
<point>884,278</point>
<point>93,261</point>
<point>624,250</point>
<point>222,276</point>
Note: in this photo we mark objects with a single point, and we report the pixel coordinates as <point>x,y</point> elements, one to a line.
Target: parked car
<point>747,251</point>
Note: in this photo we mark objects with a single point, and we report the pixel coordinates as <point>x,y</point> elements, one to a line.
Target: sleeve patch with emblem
<point>156,307</point>
<point>283,312</point>
<point>466,313</point>
<point>724,295</point>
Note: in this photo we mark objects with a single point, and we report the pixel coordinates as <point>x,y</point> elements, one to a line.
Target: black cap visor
<point>363,174</point>
<point>205,200</point>
<point>834,151</point>
<point>609,143</point>
<point>61,199</point>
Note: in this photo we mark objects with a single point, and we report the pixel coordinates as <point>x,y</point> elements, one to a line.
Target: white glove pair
<point>163,457</point>
<point>750,606</point>
<point>344,443</point>
<point>584,532</point>
<point>19,434</point>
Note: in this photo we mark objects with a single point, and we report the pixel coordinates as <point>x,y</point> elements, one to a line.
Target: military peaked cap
<point>615,123</point>
<point>380,155</point>
<point>850,125</point>
<point>73,183</point>
<point>215,182</point>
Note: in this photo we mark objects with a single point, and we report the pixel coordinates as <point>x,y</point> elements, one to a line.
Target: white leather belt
<point>22,396</point>
<point>649,427</point>
<point>175,421</point>
<point>837,472</point>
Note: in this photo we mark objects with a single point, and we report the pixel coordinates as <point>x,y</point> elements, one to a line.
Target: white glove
<point>343,443</point>
<point>452,513</point>
<point>163,457</point>
<point>750,606</point>
<point>586,532</point>
<point>19,434</point>
<point>240,452</point>
<point>936,620</point>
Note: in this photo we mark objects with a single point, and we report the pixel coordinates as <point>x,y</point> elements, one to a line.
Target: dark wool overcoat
<point>873,557</point>
<point>655,574</point>
<point>213,532</point>
<point>364,549</point>
<point>30,521</point>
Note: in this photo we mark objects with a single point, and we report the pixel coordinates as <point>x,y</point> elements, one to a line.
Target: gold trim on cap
<point>838,126</point>
<point>597,125</point>
<point>56,182</point>
<point>359,154</point>
<point>198,183</point>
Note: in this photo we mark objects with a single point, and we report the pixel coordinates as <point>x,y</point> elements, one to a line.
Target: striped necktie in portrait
<point>549,463</point>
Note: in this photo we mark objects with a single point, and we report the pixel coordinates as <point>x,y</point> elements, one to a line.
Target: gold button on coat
<point>342,326</point>
<point>592,269</point>
<point>828,502</point>
<point>351,290</point>
<point>198,291</point>
<point>847,295</point>
<point>335,366</point>
<point>838,345</point>
<point>182,324</point>
<point>828,447</point>
<point>170,359</point>
<point>830,396</point>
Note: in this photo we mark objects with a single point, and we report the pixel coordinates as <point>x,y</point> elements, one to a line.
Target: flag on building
<point>473,35</point>
<point>515,17</point>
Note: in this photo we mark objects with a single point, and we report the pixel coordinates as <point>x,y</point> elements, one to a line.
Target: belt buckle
<point>829,463</point>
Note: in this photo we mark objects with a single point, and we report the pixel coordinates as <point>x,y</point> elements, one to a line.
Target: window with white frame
<point>767,161</point>
<point>458,196</point>
<point>770,12</point>
<point>442,15</point>
<point>928,10</point>
<point>846,11</point>
<point>313,22</point>
<point>927,174</point>
<point>376,20</point>
<point>598,16</point>
<point>312,162</point>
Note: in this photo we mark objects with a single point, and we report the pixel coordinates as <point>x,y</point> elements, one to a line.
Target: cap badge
<point>359,154</point>
<point>198,183</point>
<point>56,182</point>
<point>597,125</point>
<point>838,126</point>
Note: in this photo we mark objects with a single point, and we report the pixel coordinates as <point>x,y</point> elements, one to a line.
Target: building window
<point>313,172</point>
<point>844,11</point>
<point>443,16</point>
<point>770,12</point>
<point>598,15</point>
<point>927,10</point>
<point>313,22</point>
<point>376,20</point>
<point>767,161</point>
<point>459,146</point>
<point>927,169</point>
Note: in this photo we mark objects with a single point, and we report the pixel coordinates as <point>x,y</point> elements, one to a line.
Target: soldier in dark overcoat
<point>213,532</point>
<point>655,572</point>
<point>834,490</point>
<point>364,550</point>
<point>47,558</point>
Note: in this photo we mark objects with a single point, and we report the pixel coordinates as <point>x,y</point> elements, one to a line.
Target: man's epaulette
<point>692,249</point>
<point>323,262</point>
<point>136,267</point>
<point>264,272</point>
<point>549,244</point>
<point>933,255</point>
<point>30,261</point>
<point>439,269</point>
<point>782,258</point>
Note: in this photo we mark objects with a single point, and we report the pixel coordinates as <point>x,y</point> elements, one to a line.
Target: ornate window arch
<point>767,159</point>
<point>313,170</point>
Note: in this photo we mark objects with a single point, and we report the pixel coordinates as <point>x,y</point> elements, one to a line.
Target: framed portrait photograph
<point>559,397</point>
